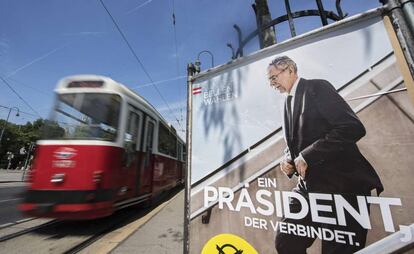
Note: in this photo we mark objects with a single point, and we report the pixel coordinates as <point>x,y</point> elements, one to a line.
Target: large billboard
<point>304,146</point>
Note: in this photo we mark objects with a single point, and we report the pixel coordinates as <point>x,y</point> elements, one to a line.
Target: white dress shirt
<point>293,94</point>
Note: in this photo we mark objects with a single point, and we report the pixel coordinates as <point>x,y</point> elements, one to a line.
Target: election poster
<point>304,146</point>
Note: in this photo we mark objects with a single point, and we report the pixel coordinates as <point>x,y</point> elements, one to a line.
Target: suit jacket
<point>325,131</point>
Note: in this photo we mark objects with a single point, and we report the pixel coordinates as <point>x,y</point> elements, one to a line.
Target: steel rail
<point>28,230</point>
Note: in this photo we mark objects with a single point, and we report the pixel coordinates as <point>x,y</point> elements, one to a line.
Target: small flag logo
<point>196,90</point>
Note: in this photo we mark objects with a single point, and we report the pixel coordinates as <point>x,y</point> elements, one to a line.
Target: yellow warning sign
<point>228,244</point>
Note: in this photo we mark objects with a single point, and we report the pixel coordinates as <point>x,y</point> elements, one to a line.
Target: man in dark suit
<point>321,132</point>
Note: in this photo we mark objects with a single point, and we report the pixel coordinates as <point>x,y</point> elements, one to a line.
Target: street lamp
<point>198,63</point>
<point>5,124</point>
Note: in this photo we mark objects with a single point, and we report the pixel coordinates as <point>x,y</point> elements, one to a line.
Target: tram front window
<point>84,116</point>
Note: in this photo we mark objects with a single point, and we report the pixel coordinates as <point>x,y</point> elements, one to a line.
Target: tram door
<point>132,155</point>
<point>148,158</point>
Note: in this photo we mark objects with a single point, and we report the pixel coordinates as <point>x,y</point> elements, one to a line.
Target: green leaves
<point>15,137</point>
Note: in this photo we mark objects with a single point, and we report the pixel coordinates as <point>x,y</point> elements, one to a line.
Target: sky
<point>44,41</point>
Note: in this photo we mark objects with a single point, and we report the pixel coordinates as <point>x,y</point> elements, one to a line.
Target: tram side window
<point>149,143</point>
<point>131,133</point>
<point>180,151</point>
<point>167,142</point>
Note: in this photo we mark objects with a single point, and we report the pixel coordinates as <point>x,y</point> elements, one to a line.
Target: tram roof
<point>107,85</point>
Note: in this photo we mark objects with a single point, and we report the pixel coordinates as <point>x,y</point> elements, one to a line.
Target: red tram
<point>104,148</point>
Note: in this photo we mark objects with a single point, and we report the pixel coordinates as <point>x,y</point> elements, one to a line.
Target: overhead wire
<point>64,123</point>
<point>138,60</point>
<point>159,82</point>
<point>15,81</point>
<point>18,95</point>
<point>27,86</point>
<point>176,52</point>
<point>1,106</point>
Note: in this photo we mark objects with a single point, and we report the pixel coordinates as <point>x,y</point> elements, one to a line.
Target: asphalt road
<point>10,197</point>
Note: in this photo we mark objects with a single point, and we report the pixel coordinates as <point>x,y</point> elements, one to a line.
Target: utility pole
<point>400,26</point>
<point>7,119</point>
<point>191,71</point>
<point>399,12</point>
<point>267,37</point>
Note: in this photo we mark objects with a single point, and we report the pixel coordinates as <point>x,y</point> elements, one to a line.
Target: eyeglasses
<point>276,77</point>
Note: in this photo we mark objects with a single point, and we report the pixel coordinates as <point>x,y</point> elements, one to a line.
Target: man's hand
<point>301,166</point>
<point>287,167</point>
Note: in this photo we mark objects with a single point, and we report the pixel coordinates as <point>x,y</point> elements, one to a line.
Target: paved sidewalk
<point>7,176</point>
<point>162,234</point>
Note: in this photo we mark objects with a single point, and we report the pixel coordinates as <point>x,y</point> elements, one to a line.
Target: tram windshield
<point>84,116</point>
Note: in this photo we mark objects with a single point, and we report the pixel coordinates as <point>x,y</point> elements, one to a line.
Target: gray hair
<point>284,61</point>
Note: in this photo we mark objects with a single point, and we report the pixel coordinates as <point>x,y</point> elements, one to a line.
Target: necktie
<point>289,114</point>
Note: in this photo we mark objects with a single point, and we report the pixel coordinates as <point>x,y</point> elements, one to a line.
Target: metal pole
<point>407,7</point>
<point>259,26</point>
<point>402,30</point>
<point>267,37</point>
<point>4,126</point>
<point>322,12</point>
<point>290,18</point>
<point>187,190</point>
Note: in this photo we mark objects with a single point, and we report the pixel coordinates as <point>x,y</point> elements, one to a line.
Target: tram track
<point>4,236</point>
<point>122,220</point>
<point>56,236</point>
<point>114,224</point>
<point>11,224</point>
